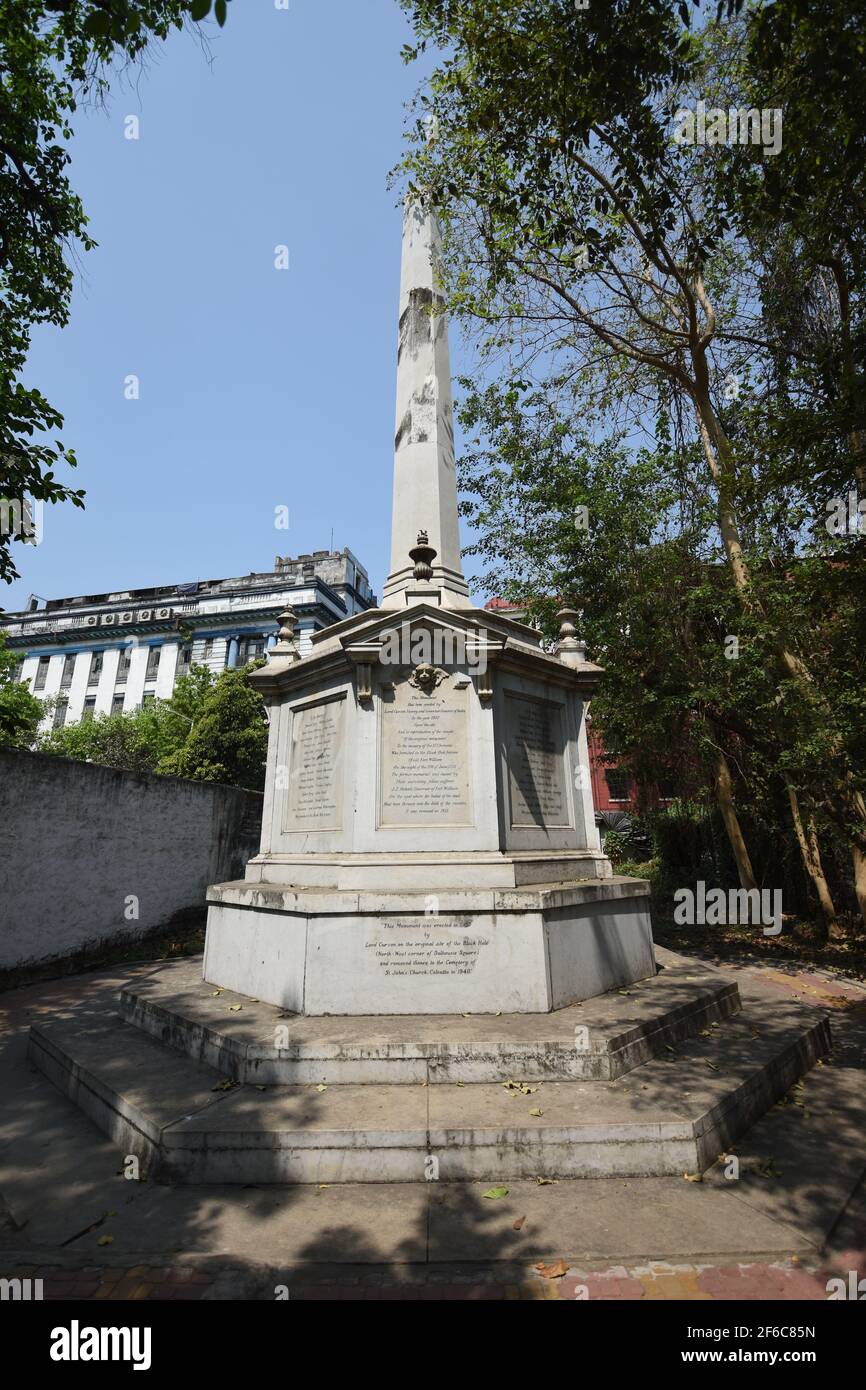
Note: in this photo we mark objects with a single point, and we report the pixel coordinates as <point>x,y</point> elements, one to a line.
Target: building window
<point>60,714</point>
<point>117,704</point>
<point>152,663</point>
<point>667,788</point>
<point>89,709</point>
<point>41,673</point>
<point>123,665</point>
<point>66,674</point>
<point>208,649</point>
<point>16,673</point>
<point>184,660</point>
<point>618,784</point>
<point>250,649</point>
<point>95,669</point>
<point>147,699</point>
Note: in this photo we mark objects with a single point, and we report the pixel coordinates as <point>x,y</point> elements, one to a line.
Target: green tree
<point>20,712</point>
<point>580,232</point>
<point>620,534</point>
<point>53,54</point>
<point>140,740</point>
<point>228,741</point>
<point>112,740</point>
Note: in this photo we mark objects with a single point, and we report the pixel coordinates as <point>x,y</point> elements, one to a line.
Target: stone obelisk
<point>425,484</point>
<point>428,836</point>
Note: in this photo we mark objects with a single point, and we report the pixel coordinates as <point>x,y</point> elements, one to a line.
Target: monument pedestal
<point>429,844</point>
<point>491,951</point>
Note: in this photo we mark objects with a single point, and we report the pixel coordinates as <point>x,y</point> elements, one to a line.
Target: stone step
<point>673,1114</point>
<point>601,1038</point>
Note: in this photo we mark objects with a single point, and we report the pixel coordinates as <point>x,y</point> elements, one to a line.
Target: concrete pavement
<point>793,1214</point>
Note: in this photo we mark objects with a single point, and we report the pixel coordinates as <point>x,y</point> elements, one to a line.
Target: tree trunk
<point>807,839</point>
<point>858,858</point>
<point>725,796</point>
<point>858,854</point>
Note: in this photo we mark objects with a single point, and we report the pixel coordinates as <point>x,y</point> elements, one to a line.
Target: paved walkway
<point>796,1216</point>
<point>742,1282</point>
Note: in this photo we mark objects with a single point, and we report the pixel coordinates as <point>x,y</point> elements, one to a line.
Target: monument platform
<point>488,950</point>
<point>207,1086</point>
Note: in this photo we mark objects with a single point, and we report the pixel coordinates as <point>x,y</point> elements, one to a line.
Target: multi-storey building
<point>104,653</point>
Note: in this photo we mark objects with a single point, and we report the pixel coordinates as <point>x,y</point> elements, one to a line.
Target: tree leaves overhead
<point>53,55</point>
<point>20,712</point>
<point>702,289</point>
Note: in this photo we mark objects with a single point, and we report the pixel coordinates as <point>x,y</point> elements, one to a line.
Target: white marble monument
<point>429,844</point>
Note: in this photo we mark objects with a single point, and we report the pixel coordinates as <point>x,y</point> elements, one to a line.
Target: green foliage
<point>229,738</point>
<point>20,712</point>
<point>140,740</point>
<point>53,54</point>
<point>616,847</point>
<point>113,740</point>
<point>212,729</point>
<point>631,281</point>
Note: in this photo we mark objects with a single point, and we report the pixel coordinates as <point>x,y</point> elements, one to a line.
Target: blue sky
<point>259,388</point>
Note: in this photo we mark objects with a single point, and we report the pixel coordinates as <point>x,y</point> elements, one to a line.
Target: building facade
<point>108,653</point>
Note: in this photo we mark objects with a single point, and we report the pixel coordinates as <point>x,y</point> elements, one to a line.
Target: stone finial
<point>570,650</point>
<point>422,555</point>
<point>286,648</point>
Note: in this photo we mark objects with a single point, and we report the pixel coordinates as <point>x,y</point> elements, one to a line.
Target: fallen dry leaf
<point>518,1224</point>
<point>554,1271</point>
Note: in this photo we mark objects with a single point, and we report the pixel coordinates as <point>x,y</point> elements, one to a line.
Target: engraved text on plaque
<point>536,762</point>
<point>315,800</point>
<point>425,757</point>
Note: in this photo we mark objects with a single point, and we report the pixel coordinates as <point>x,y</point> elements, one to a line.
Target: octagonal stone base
<point>522,950</point>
